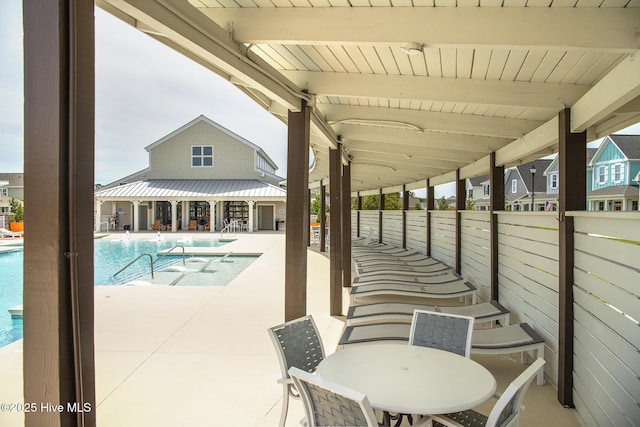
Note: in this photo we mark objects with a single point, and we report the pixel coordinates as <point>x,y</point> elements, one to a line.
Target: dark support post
<point>59,95</point>
<point>323,217</point>
<point>295,279</point>
<point>359,208</point>
<point>405,208</point>
<point>346,226</point>
<point>460,206</point>
<point>496,204</point>
<point>308,219</point>
<point>572,196</point>
<point>335,229</point>
<point>430,206</point>
<point>380,209</point>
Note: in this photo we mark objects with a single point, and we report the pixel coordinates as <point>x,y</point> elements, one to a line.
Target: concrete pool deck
<point>195,356</point>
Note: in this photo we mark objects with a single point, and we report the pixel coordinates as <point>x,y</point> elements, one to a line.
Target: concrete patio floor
<point>195,356</point>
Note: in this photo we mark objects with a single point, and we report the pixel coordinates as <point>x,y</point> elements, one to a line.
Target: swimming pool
<point>110,255</point>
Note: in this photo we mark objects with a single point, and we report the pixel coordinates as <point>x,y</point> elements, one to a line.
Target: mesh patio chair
<point>330,404</point>
<point>444,331</point>
<point>506,411</point>
<point>297,344</point>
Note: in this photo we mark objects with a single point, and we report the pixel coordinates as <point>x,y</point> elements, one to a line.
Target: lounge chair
<point>436,268</point>
<point>433,277</point>
<point>193,225</point>
<point>156,225</point>
<point>14,234</point>
<point>518,338</point>
<point>490,311</point>
<point>506,411</point>
<point>457,288</point>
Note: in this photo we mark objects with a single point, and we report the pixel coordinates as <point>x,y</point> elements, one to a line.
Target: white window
<point>485,189</point>
<point>4,191</point>
<point>202,155</point>
<point>617,173</point>
<point>553,181</point>
<point>514,186</point>
<point>601,176</point>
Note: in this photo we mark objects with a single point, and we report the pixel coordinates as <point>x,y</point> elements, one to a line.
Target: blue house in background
<point>611,173</point>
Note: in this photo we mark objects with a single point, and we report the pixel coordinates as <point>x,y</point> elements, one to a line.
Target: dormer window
<point>485,189</point>
<point>553,181</point>
<point>514,186</point>
<point>202,155</point>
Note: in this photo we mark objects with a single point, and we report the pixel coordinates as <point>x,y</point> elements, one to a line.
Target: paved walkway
<point>195,356</point>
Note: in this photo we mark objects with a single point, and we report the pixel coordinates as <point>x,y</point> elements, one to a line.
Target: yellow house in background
<point>201,177</point>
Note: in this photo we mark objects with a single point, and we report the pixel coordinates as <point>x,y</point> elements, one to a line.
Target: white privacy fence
<point>528,275</point>
<point>475,257</point>
<point>443,236</point>
<point>607,314</point>
<point>606,290</point>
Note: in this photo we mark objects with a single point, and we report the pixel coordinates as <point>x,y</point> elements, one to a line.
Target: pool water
<point>109,257</point>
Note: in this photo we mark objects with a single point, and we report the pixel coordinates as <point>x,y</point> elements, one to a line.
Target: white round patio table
<point>410,379</point>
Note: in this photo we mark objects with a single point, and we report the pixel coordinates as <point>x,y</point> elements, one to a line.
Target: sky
<point>144,91</point>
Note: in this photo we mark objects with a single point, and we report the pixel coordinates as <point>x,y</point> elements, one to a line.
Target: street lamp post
<point>533,186</point>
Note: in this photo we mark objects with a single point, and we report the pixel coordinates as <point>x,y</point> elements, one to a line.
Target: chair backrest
<point>330,404</point>
<point>450,332</point>
<point>506,411</point>
<point>297,344</point>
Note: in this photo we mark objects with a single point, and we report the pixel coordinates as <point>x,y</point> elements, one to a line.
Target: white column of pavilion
<point>250,225</point>
<point>99,217</point>
<point>174,215</point>
<point>136,216</point>
<point>212,215</point>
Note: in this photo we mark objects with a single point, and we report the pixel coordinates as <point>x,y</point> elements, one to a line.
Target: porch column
<point>251,204</point>
<point>335,250</point>
<point>295,280</point>
<point>174,215</point>
<point>99,217</point>
<point>136,216</point>
<point>430,206</point>
<point>405,208</point>
<point>460,206</point>
<point>346,225</point>
<point>496,204</point>
<point>380,209</point>
<point>212,215</point>
<point>359,208</point>
<point>572,196</point>
<point>58,348</point>
<point>323,217</point>
<point>309,225</point>
<point>184,215</point>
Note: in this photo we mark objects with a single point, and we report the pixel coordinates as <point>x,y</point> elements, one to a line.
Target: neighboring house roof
<point>590,153</point>
<point>540,180</point>
<point>478,180</point>
<point>176,189</point>
<point>202,118</point>
<point>616,190</point>
<point>629,146</point>
<point>14,179</point>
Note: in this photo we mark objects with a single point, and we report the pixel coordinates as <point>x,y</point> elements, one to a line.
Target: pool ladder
<point>151,261</point>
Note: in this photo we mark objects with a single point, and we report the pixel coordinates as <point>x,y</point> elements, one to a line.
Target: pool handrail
<point>167,253</point>
<point>137,258</point>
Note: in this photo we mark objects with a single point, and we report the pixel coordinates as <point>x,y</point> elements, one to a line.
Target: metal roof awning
<point>193,189</point>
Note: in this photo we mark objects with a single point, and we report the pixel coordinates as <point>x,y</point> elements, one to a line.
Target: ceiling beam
<point>547,96</point>
<point>619,87</point>
<point>448,141</point>
<point>611,29</point>
<point>468,124</point>
<point>412,153</point>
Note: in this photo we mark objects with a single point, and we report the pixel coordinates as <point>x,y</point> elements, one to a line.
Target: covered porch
<point>386,104</point>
